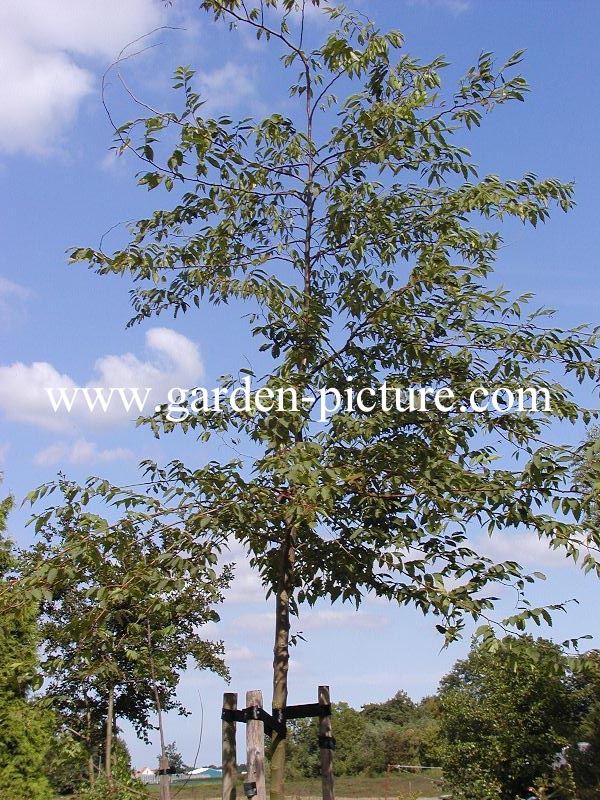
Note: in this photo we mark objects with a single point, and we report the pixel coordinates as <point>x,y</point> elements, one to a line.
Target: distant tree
<point>303,743</point>
<point>394,732</point>
<point>359,241</point>
<point>584,749</point>
<point>302,749</point>
<point>427,723</point>
<point>400,731</point>
<point>349,728</point>
<point>25,726</point>
<point>176,761</point>
<point>398,710</point>
<point>386,743</point>
<point>506,713</point>
<point>123,605</point>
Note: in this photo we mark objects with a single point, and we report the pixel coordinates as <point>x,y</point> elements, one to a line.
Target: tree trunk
<point>88,741</point>
<point>326,737</point>
<point>163,779</point>
<point>281,657</point>
<point>165,789</point>
<point>109,737</point>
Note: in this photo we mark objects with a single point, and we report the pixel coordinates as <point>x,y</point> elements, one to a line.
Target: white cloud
<point>246,586</point>
<point>237,654</point>
<point>9,289</point>
<point>42,44</point>
<point>79,452</point>
<point>312,620</point>
<point>525,548</point>
<point>255,623</point>
<point>4,448</point>
<point>454,6</point>
<point>227,87</point>
<point>53,52</point>
<point>12,294</point>
<point>173,360</point>
<point>176,362</point>
<point>330,618</point>
<point>22,395</point>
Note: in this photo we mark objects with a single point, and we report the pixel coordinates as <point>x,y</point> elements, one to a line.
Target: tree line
<point>520,721</point>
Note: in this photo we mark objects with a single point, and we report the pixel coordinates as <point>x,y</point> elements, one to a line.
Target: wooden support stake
<point>229,765</point>
<point>163,779</point>
<point>255,747</point>
<point>325,732</point>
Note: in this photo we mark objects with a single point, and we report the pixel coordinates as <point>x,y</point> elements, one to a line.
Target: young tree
<point>362,241</point>
<point>176,761</point>
<point>25,727</point>
<point>123,605</point>
<point>505,718</point>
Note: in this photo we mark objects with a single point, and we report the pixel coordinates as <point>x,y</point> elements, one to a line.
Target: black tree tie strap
<point>276,721</point>
<point>326,742</point>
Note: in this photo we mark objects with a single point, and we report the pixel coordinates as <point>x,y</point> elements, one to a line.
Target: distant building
<point>206,772</point>
<point>145,772</point>
<point>151,776</point>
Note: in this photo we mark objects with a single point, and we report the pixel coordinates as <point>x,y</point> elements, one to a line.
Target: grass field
<point>403,786</point>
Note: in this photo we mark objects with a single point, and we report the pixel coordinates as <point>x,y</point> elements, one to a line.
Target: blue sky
<point>61,187</point>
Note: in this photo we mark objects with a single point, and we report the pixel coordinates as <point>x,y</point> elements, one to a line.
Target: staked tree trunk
<point>281,657</point>
<point>110,713</point>
<point>165,786</point>
<point>88,741</point>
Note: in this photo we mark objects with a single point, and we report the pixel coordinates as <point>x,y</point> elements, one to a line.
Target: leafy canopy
<point>25,726</point>
<point>505,717</point>
<point>362,241</point>
<point>123,605</point>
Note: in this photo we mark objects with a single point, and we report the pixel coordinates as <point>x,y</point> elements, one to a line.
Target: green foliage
<point>505,715</point>
<point>120,601</point>
<point>386,743</point>
<point>394,732</point>
<point>303,743</point>
<point>585,760</point>
<point>399,731</point>
<point>125,787</point>
<point>500,724</point>
<point>588,476</point>
<point>363,242</point>
<point>66,765</point>
<point>397,710</point>
<point>122,604</point>
<point>25,726</point>
<point>175,758</point>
